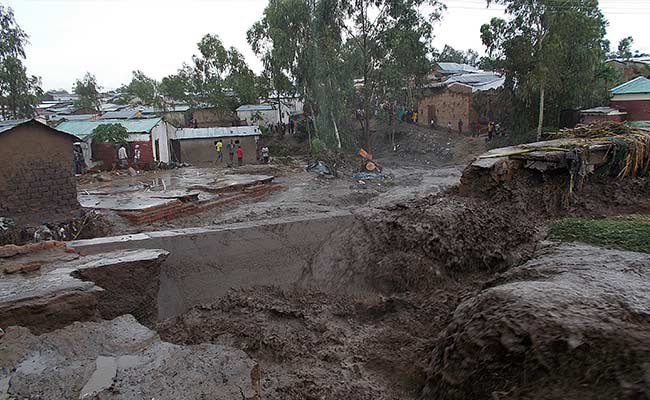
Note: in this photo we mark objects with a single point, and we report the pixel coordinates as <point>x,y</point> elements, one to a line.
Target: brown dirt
<point>399,274</point>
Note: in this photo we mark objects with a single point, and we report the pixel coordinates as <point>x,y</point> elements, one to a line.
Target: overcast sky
<point>111,38</point>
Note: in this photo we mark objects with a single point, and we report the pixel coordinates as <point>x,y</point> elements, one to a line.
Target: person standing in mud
<point>231,151</point>
<point>219,146</point>
<point>240,156</point>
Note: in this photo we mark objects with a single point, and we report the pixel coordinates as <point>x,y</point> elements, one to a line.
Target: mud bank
<point>573,323</point>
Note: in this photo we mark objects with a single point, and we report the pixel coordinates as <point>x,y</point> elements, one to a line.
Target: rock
<point>121,359</point>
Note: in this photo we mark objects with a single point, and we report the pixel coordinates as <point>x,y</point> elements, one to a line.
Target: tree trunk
<point>279,106</point>
<point>336,130</point>
<point>540,125</point>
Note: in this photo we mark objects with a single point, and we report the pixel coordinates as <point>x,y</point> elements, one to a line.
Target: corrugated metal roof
<point>602,111</point>
<point>122,114</point>
<point>256,107</point>
<point>209,133</point>
<point>10,124</point>
<point>83,129</point>
<point>479,82</point>
<point>637,85</point>
<point>454,68</point>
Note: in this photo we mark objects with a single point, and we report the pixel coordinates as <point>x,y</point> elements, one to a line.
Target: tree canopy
<point>218,76</point>
<point>553,54</point>
<point>88,91</point>
<point>19,92</point>
<point>110,133</point>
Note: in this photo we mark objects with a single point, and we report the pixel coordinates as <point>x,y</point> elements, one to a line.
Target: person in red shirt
<point>240,155</point>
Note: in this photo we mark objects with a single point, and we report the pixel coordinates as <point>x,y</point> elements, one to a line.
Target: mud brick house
<point>633,97</point>
<point>196,145</point>
<point>151,134</point>
<point>36,178</point>
<point>457,98</point>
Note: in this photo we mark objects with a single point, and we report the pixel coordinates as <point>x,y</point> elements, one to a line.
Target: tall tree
<point>549,49</point>
<point>217,76</point>
<point>88,91</point>
<point>382,32</point>
<point>19,93</point>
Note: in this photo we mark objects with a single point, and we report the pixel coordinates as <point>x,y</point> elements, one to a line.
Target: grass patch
<point>625,233</point>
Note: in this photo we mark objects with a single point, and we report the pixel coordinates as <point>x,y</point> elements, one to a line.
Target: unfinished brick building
<point>36,179</point>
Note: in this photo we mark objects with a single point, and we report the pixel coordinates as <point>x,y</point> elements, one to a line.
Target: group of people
<point>123,157</point>
<point>281,128</point>
<point>233,149</point>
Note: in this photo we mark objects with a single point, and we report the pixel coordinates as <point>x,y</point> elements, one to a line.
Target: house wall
<point>448,105</point>
<point>637,110</point>
<point>203,150</point>
<point>268,117</point>
<point>36,177</point>
<point>209,117</point>
<point>106,153</point>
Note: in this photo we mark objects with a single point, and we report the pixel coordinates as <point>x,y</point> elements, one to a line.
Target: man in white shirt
<point>121,155</point>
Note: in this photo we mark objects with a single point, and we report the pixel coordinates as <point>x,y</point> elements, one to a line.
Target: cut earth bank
<point>452,296</point>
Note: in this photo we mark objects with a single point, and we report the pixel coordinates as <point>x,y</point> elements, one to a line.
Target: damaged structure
<point>196,145</point>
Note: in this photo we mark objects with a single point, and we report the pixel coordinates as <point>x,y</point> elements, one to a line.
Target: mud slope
<point>574,323</point>
<point>412,245</point>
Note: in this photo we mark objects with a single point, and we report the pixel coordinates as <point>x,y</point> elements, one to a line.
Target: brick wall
<point>107,153</point>
<point>447,105</point>
<point>36,179</point>
<point>637,110</point>
<point>588,119</point>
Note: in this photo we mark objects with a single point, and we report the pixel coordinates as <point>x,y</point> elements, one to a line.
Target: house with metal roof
<point>258,114</point>
<point>452,100</point>
<point>198,145</point>
<point>152,135</point>
<point>633,97</point>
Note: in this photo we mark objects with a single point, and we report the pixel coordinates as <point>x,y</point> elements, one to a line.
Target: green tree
<point>19,93</point>
<point>321,46</point>
<point>449,54</point>
<point>110,133</point>
<point>551,50</point>
<point>88,91</point>
<point>145,89</point>
<point>625,48</point>
<point>218,76</point>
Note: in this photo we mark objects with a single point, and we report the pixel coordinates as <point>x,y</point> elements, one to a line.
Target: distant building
<point>601,114</point>
<point>37,183</point>
<point>196,145</point>
<point>632,67</point>
<point>153,135</point>
<point>467,97</point>
<point>633,98</point>
<point>258,114</point>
